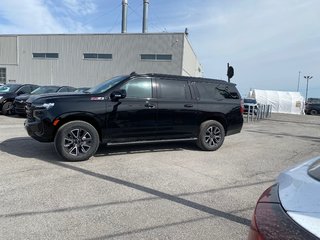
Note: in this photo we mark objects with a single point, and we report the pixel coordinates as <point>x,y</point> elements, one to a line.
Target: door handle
<point>188,105</point>
<point>148,105</point>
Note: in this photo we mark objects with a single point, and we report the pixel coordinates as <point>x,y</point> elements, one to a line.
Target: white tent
<point>281,102</point>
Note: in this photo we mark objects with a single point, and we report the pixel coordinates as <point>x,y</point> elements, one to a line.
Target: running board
<point>152,141</point>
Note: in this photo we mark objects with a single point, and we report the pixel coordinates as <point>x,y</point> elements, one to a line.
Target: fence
<point>257,112</point>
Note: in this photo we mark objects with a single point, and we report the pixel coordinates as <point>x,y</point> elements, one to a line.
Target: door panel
<point>177,111</point>
<point>134,117</point>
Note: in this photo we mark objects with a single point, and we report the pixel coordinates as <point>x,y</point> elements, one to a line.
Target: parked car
<point>19,103</point>
<point>312,106</point>
<point>8,92</point>
<point>135,108</point>
<point>290,209</point>
<point>250,103</point>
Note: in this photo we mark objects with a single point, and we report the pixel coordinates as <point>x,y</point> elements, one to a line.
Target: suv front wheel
<point>211,135</point>
<point>76,141</point>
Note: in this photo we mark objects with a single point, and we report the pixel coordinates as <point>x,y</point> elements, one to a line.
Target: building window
<point>3,75</point>
<point>45,55</point>
<point>97,56</point>
<point>156,57</point>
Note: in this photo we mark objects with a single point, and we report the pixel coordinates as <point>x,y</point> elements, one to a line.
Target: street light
<point>308,78</point>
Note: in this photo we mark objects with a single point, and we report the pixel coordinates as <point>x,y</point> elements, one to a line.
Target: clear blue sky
<point>267,41</point>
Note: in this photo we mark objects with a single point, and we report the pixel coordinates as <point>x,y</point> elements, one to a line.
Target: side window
<point>138,88</point>
<point>210,91</point>
<point>63,89</point>
<point>173,89</point>
<point>25,89</point>
<point>228,92</point>
<point>207,91</point>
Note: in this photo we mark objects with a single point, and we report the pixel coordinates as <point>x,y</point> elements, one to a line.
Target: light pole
<point>308,78</point>
<point>298,81</point>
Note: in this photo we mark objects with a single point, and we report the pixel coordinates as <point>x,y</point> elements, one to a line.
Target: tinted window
<point>173,89</point>
<point>25,89</point>
<point>227,91</point>
<point>138,88</point>
<point>207,91</point>
<point>248,100</point>
<point>45,89</point>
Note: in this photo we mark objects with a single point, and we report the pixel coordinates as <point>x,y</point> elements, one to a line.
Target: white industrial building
<point>87,59</point>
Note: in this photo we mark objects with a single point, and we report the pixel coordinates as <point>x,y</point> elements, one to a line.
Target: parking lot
<point>154,191</point>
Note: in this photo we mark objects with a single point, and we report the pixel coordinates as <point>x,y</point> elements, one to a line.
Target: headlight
<point>44,105</point>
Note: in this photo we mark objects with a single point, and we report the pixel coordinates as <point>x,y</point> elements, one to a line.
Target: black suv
<point>8,93</point>
<point>136,108</point>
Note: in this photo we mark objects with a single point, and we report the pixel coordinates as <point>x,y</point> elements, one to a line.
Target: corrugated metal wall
<point>71,69</point>
<point>190,64</point>
<point>8,50</point>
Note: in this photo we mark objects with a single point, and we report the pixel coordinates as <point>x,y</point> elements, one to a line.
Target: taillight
<point>271,222</point>
<point>241,107</point>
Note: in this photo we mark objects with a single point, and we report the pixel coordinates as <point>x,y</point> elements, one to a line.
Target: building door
<point>3,75</point>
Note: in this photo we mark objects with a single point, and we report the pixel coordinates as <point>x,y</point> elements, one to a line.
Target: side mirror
<point>118,94</point>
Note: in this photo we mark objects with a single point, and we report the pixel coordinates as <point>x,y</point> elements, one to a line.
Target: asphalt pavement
<point>153,191</point>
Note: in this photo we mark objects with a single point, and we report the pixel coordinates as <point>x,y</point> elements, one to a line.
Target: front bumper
<point>40,130</point>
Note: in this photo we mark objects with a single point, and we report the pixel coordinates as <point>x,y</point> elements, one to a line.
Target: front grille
<point>29,112</point>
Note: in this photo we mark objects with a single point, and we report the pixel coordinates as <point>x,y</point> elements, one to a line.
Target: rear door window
<point>173,89</point>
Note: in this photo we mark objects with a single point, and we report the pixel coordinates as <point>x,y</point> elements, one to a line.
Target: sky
<point>268,42</point>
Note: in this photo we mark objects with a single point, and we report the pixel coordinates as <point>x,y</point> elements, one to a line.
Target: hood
<point>47,96</point>
<point>8,94</point>
<point>22,97</point>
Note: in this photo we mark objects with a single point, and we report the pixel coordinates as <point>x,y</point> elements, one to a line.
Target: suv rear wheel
<point>211,135</point>
<point>76,141</point>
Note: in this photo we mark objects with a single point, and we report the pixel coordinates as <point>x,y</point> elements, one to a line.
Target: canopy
<point>281,102</point>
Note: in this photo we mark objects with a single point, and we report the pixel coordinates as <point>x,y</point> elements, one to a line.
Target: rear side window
<point>173,89</point>
<point>138,88</point>
<point>228,91</point>
<point>207,91</point>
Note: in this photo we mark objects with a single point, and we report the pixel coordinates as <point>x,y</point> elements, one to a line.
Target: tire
<point>7,108</point>
<point>314,112</point>
<point>76,141</point>
<point>211,135</point>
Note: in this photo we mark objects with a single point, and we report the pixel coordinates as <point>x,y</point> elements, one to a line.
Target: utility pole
<point>298,81</point>
<point>308,78</point>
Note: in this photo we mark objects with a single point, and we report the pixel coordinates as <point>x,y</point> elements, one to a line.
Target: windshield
<point>8,88</point>
<point>105,86</point>
<point>247,100</point>
<point>45,89</point>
